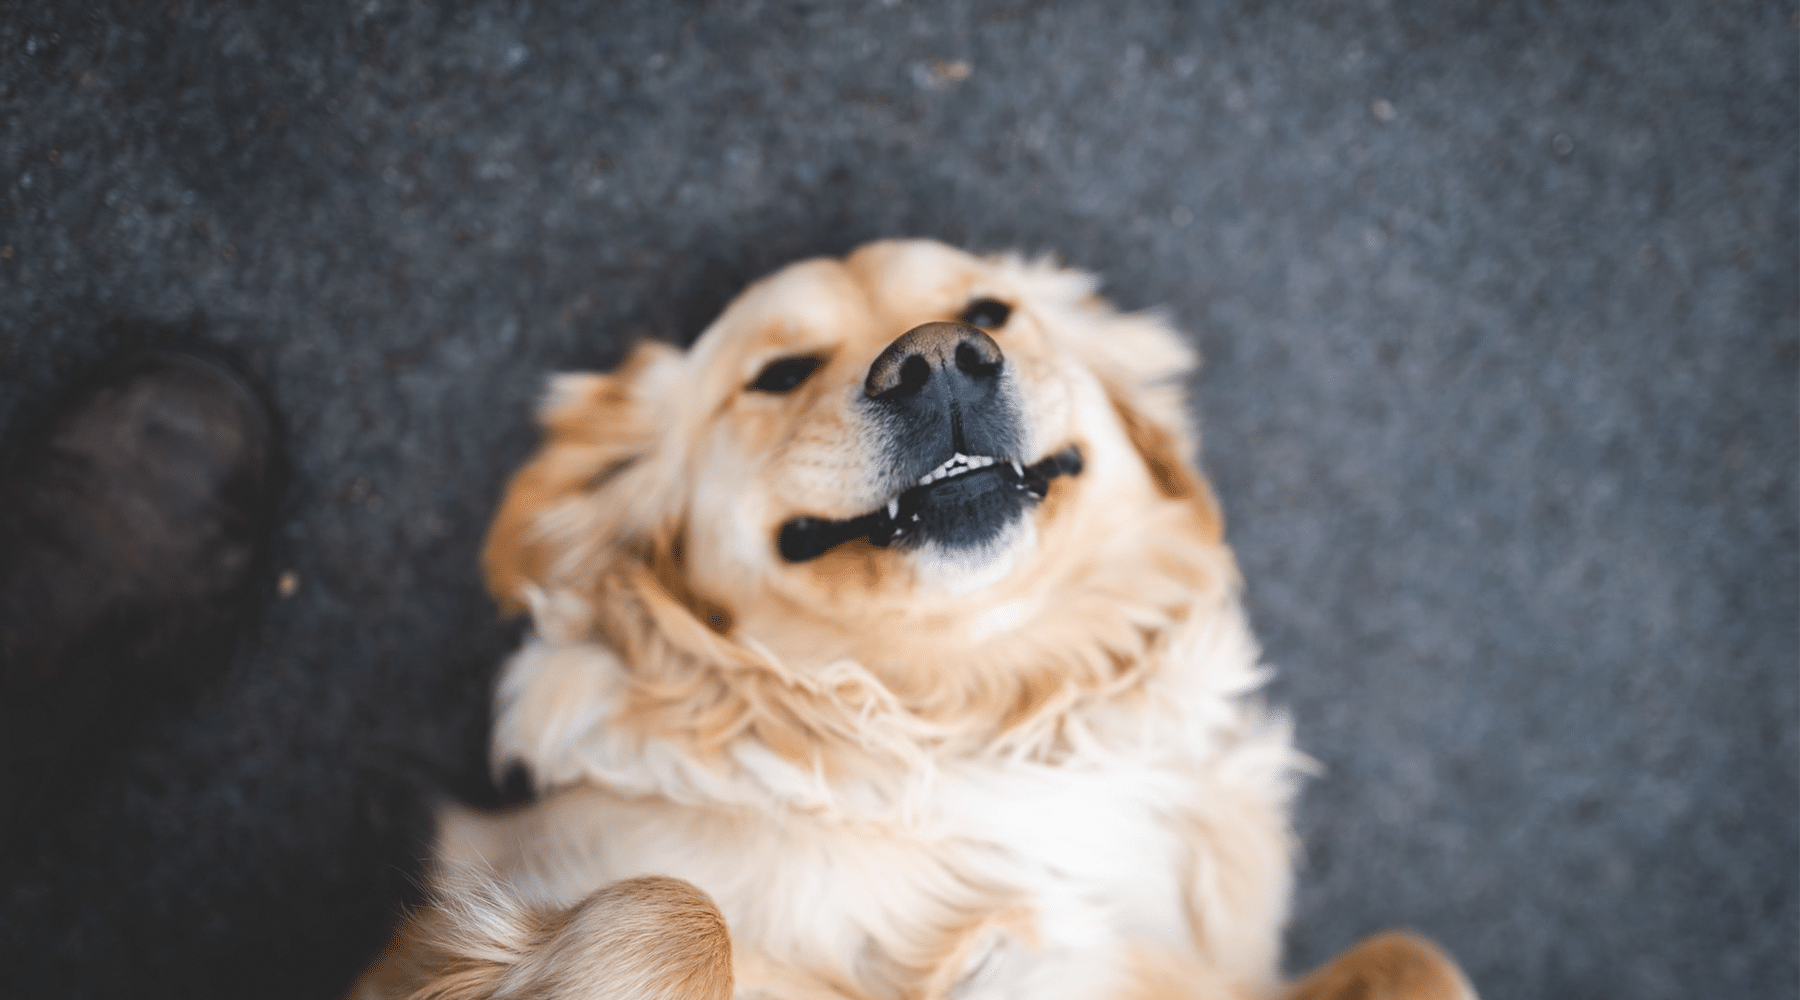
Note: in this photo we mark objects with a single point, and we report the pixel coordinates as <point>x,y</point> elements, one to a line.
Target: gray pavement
<point>1498,303</point>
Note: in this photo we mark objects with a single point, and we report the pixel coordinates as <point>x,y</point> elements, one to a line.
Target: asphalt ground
<point>1498,304</point>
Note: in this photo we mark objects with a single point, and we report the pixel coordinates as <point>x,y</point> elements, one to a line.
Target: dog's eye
<point>785,374</point>
<point>989,314</point>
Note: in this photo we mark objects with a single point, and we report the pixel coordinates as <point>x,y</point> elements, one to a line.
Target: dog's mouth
<point>962,503</point>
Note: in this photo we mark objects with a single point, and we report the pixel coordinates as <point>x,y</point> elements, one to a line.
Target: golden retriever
<point>893,617</point>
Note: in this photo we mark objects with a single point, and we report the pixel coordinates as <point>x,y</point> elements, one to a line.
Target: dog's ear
<point>1164,449</point>
<point>1147,367</point>
<point>600,482</point>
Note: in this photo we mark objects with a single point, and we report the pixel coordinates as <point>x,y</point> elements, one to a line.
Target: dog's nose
<point>942,390</point>
<point>962,361</point>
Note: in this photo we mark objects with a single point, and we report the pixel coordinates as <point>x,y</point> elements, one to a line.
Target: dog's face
<point>905,455</point>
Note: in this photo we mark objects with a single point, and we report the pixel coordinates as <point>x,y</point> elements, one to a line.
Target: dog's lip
<point>804,538</point>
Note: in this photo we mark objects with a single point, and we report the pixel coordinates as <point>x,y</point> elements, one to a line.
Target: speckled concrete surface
<point>1499,306</point>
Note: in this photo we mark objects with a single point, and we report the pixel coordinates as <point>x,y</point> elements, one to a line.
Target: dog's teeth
<point>1018,470</point>
<point>894,509</point>
<point>959,464</point>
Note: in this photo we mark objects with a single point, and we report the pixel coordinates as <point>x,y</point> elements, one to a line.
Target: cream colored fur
<point>1041,773</point>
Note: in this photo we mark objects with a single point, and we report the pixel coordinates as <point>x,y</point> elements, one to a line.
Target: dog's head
<point>949,470</point>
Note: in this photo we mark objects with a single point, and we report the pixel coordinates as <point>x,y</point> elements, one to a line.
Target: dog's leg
<point>651,938</point>
<point>1391,966</point>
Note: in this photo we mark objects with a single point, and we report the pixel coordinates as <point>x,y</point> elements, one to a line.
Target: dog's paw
<point>1392,966</point>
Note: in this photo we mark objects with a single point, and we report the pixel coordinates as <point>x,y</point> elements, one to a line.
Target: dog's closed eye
<point>785,374</point>
<point>989,314</point>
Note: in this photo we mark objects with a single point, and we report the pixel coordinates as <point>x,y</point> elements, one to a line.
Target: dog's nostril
<point>914,373</point>
<point>975,362</point>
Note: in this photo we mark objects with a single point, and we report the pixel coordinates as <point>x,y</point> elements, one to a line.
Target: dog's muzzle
<point>946,406</point>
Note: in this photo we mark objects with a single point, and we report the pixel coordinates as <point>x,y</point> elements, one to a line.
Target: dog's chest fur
<point>1150,820</point>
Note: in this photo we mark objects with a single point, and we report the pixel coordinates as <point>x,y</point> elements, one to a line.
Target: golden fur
<point>638,939</point>
<point>1033,767</point>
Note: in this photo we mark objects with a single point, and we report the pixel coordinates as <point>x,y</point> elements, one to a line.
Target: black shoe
<point>129,535</point>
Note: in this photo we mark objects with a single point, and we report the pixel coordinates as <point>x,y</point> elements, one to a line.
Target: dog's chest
<point>1006,881</point>
<point>969,876</point>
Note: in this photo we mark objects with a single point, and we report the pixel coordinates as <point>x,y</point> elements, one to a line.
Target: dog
<point>884,644</point>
